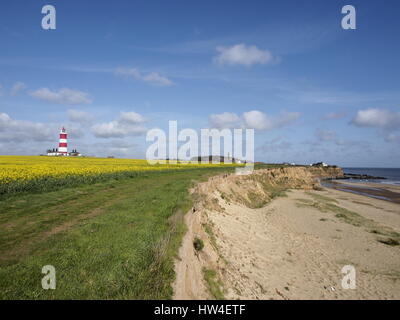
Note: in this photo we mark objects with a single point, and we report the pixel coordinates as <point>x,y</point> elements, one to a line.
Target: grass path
<point>111,240</point>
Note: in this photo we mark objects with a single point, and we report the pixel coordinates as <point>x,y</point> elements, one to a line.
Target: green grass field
<point>110,240</point>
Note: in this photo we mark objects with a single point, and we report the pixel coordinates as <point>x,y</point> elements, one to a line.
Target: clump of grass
<point>322,198</point>
<point>260,199</point>
<point>256,200</point>
<point>198,244</point>
<point>278,192</point>
<point>309,203</point>
<point>389,241</point>
<point>208,229</point>
<point>263,291</point>
<point>213,283</point>
<point>213,205</point>
<point>274,190</point>
<point>386,232</point>
<point>348,216</point>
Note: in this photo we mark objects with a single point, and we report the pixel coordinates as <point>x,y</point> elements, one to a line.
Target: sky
<point>112,70</point>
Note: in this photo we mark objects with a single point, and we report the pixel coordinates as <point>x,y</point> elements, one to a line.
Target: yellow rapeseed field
<point>22,173</point>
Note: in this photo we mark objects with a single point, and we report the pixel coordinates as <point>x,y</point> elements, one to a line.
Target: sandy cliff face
<point>245,191</point>
<point>326,172</point>
<point>259,188</point>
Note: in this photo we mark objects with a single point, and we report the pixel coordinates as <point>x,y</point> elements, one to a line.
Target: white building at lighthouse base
<point>57,153</point>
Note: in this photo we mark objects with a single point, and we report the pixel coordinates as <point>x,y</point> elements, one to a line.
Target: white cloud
<point>225,120</point>
<point>254,119</point>
<point>157,79</point>
<point>62,96</point>
<point>81,117</point>
<point>378,118</point>
<point>388,122</point>
<point>257,120</point>
<point>17,87</point>
<point>153,78</point>
<point>260,121</point>
<point>131,118</point>
<point>127,124</point>
<point>4,118</point>
<point>240,54</point>
<point>23,131</point>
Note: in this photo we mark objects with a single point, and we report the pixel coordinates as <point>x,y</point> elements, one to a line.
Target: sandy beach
<point>294,247</point>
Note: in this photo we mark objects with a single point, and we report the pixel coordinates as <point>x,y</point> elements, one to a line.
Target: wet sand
<point>375,190</point>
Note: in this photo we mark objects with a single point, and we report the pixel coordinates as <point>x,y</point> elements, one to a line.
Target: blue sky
<point>112,70</point>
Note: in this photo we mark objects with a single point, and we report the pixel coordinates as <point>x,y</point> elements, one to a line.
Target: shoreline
<point>382,191</point>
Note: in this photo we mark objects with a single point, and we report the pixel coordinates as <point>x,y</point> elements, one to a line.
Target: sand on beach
<point>293,248</point>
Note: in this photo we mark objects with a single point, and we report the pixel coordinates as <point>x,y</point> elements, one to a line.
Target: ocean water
<point>392,175</point>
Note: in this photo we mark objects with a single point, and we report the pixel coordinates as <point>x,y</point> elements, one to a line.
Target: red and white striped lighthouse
<point>62,145</point>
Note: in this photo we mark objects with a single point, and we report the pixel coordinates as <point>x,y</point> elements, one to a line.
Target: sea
<point>392,175</point>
